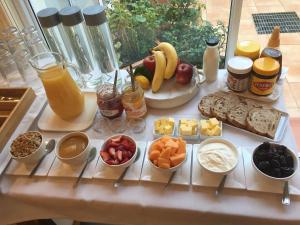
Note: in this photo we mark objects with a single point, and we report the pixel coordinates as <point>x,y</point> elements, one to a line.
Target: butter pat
<point>164,126</point>
<point>210,127</point>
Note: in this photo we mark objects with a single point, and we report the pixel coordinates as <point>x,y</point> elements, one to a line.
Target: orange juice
<point>64,96</point>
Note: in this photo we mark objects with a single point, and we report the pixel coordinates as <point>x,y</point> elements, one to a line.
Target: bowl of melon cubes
<point>167,154</point>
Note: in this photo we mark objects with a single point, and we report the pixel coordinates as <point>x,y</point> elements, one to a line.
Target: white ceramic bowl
<point>296,165</point>
<point>162,170</point>
<point>123,165</point>
<point>78,159</point>
<point>223,141</point>
<point>33,157</point>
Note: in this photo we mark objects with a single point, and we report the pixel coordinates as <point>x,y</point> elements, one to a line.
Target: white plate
<point>172,94</point>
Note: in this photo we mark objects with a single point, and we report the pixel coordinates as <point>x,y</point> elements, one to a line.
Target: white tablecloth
<point>144,203</point>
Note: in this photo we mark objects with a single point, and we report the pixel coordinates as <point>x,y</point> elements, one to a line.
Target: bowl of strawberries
<point>118,151</point>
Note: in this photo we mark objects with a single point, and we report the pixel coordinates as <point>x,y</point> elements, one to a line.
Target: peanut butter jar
<point>264,76</point>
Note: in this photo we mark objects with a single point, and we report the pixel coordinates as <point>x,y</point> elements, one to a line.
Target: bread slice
<point>238,114</point>
<point>206,104</point>
<point>263,121</point>
<point>223,105</point>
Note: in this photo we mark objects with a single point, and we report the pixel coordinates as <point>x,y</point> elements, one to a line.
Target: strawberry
<point>116,139</point>
<point>125,160</point>
<point>105,156</point>
<point>125,154</point>
<point>110,162</point>
<point>112,152</point>
<point>119,155</point>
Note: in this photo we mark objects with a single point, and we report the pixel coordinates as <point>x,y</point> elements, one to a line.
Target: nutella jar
<point>275,54</point>
<point>109,103</point>
<point>239,71</point>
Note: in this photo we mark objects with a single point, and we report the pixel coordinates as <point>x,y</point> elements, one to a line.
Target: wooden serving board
<point>12,111</point>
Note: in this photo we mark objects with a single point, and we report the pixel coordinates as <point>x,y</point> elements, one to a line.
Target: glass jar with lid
<point>250,49</point>
<point>109,101</point>
<point>101,41</point>
<point>133,101</point>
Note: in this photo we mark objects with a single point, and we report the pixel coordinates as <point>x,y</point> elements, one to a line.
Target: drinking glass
<point>10,33</point>
<point>15,44</point>
<point>36,46</point>
<point>64,96</point>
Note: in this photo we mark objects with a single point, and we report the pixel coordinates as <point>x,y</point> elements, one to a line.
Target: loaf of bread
<point>242,113</point>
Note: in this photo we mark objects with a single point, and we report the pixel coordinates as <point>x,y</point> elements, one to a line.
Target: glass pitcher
<point>64,96</point>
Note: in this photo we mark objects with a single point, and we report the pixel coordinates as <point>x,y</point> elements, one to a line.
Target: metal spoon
<point>221,185</point>
<point>121,177</point>
<point>49,148</point>
<point>286,194</point>
<point>170,179</point>
<point>90,158</point>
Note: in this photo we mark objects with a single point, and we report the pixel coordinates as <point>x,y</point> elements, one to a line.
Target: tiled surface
<point>290,44</point>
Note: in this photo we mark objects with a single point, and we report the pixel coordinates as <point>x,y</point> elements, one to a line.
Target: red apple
<point>184,73</point>
<point>149,63</point>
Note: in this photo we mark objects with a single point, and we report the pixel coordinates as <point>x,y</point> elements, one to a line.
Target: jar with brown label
<point>264,76</point>
<point>239,71</point>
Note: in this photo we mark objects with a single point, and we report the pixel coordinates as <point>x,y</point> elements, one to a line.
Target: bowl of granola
<point>28,147</point>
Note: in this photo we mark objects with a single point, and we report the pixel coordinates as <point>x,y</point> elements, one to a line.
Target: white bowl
<point>123,165</point>
<point>162,170</point>
<point>223,141</point>
<point>296,165</point>
<point>78,159</point>
<point>33,157</point>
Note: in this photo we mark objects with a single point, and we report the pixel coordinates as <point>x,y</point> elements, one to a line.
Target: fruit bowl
<point>271,152</point>
<point>175,157</point>
<point>118,151</point>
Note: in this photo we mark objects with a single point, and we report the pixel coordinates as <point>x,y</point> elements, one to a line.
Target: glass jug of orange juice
<point>64,96</point>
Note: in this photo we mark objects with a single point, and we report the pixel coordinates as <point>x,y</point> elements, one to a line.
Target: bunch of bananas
<point>165,64</point>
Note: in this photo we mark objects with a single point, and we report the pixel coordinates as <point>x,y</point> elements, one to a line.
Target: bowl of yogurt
<point>217,156</point>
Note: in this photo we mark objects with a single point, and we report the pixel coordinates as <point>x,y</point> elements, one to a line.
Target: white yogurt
<point>217,157</point>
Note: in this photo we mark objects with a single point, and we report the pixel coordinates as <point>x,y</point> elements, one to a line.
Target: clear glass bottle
<point>72,19</point>
<point>54,32</point>
<point>211,58</point>
<point>101,42</point>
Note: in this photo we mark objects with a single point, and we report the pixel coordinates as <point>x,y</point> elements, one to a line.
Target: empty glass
<point>15,44</point>
<point>10,33</point>
<point>36,46</point>
<point>29,33</point>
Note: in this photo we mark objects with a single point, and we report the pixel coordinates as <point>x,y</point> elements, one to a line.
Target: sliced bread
<point>206,104</point>
<point>238,114</point>
<point>263,121</point>
<point>223,105</point>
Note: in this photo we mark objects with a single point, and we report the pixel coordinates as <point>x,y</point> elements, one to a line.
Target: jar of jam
<point>109,103</point>
<point>134,101</point>
<point>275,54</point>
<point>248,49</point>
<point>264,76</point>
<point>239,71</point>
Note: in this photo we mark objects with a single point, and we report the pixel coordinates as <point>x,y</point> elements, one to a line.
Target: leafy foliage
<point>137,24</point>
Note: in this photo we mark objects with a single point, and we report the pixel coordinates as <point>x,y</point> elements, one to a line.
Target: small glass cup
<point>15,44</point>
<point>36,46</point>
<point>10,33</point>
<point>29,33</point>
<point>134,101</point>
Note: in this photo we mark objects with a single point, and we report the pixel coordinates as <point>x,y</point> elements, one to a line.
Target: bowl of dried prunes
<point>275,161</point>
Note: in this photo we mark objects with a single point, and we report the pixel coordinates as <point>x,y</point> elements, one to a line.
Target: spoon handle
<point>170,179</point>
<point>81,173</point>
<point>286,194</point>
<point>121,177</point>
<point>37,165</point>
<point>221,185</point>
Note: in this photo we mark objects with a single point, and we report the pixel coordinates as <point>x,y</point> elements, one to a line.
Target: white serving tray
<point>172,94</point>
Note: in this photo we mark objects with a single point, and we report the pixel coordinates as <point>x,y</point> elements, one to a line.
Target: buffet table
<point>24,198</point>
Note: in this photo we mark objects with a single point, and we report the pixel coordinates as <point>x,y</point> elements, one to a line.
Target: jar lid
<point>239,65</point>
<point>266,66</point>
<point>272,52</point>
<point>94,15</point>
<point>70,16</point>
<point>48,17</point>
<point>213,41</point>
<point>248,48</point>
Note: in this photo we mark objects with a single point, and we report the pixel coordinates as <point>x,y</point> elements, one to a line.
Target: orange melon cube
<point>155,162</point>
<point>165,153</point>
<point>181,146</point>
<point>158,145</point>
<point>164,165</point>
<point>177,159</point>
<point>154,154</point>
<point>161,160</point>
<point>172,144</point>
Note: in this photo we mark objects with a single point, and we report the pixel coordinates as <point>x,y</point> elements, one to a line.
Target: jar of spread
<point>275,54</point>
<point>134,101</point>
<point>239,71</point>
<point>109,103</point>
<point>248,49</point>
<point>264,76</point>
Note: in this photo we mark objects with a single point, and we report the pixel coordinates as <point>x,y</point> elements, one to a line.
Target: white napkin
<point>18,168</point>
<point>201,177</point>
<point>60,169</point>
<point>257,182</point>
<point>182,176</point>
<point>133,173</point>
